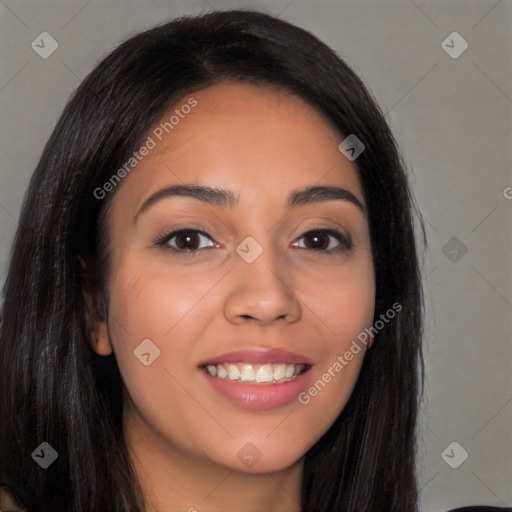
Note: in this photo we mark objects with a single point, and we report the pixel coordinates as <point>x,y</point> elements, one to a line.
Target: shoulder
<point>8,501</point>
<point>481,508</point>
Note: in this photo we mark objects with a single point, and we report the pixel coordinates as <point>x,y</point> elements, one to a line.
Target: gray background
<point>452,119</point>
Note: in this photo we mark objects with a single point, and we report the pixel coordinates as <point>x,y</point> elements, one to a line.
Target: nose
<point>262,291</point>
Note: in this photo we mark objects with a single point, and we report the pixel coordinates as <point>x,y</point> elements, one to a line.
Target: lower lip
<point>260,396</point>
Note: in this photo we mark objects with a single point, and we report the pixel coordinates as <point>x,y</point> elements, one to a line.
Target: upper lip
<point>259,356</point>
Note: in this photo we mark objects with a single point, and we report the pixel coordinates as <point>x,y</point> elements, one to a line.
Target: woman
<point>275,364</point>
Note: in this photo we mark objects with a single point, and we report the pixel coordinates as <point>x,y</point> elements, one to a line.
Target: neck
<point>174,479</point>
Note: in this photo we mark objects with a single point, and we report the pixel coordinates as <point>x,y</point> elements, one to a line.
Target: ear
<point>100,342</point>
<point>96,317</point>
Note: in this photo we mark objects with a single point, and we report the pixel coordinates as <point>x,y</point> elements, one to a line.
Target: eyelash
<point>162,240</point>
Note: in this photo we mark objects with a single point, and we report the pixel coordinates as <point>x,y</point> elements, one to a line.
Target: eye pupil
<point>316,236</point>
<point>184,237</point>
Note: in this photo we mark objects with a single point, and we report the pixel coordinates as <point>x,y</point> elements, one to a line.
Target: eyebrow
<point>224,197</point>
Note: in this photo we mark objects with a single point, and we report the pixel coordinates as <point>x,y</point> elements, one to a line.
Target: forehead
<point>259,141</point>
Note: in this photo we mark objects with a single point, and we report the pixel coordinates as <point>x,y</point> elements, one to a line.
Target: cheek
<point>160,314</point>
<point>345,304</point>
<point>170,308</point>
<point>343,298</point>
<point>354,308</point>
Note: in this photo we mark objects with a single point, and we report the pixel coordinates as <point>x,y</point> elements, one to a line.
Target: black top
<point>481,508</point>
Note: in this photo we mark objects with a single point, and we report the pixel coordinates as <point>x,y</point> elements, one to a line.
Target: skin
<point>183,436</point>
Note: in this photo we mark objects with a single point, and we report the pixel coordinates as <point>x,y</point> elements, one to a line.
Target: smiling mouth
<point>256,373</point>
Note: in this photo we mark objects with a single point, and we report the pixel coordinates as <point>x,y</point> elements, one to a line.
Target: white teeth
<point>221,371</point>
<point>246,372</point>
<point>299,368</point>
<point>233,372</point>
<point>265,374</point>
<point>279,372</point>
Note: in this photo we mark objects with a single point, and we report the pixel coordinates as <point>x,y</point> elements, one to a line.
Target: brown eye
<point>187,241</point>
<point>320,240</point>
<point>316,240</point>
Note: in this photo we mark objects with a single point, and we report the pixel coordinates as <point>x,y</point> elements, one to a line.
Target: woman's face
<point>243,291</point>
